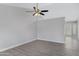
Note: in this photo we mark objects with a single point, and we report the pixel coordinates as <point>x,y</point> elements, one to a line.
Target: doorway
<point>71,29</point>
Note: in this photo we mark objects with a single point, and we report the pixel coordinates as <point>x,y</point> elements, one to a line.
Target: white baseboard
<point>51,41</point>
<point>16,45</point>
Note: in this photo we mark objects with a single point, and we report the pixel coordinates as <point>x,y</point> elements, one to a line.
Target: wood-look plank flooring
<point>45,48</point>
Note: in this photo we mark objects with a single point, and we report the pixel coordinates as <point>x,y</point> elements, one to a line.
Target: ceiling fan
<point>37,11</point>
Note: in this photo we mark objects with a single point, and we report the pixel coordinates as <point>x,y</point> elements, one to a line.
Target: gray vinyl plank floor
<point>45,48</point>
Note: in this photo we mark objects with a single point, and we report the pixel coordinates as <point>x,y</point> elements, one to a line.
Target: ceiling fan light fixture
<point>37,14</point>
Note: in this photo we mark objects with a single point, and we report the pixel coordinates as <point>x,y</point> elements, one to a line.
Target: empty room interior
<point>39,29</point>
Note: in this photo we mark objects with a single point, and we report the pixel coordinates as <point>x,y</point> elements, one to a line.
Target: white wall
<point>51,29</point>
<point>16,27</point>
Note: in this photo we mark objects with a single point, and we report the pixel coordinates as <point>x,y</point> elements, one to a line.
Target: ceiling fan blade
<point>41,13</point>
<point>34,9</point>
<point>44,10</point>
<point>29,11</point>
<point>34,14</point>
